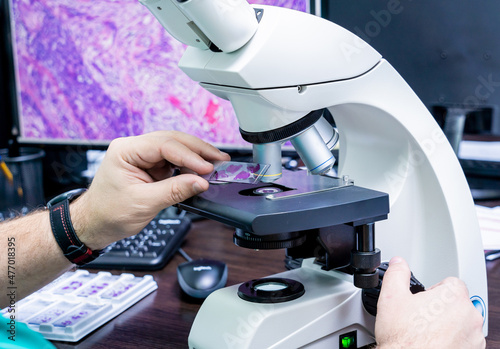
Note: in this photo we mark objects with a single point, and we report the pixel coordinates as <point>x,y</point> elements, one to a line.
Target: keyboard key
<point>157,243</point>
<point>118,253</point>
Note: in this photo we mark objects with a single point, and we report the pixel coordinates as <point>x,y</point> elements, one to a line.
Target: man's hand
<point>441,317</point>
<point>134,184</point>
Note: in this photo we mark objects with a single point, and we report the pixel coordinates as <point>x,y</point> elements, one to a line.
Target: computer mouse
<point>199,278</point>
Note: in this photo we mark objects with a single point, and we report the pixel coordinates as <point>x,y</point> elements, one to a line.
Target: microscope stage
<point>326,204</point>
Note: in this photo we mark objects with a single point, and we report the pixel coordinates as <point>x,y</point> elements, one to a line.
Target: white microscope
<point>281,69</point>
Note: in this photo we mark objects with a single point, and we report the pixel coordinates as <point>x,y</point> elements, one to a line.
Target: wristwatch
<point>62,228</point>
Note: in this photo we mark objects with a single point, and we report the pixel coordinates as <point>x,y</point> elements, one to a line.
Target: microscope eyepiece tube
<point>269,153</point>
<point>229,24</point>
<point>313,151</point>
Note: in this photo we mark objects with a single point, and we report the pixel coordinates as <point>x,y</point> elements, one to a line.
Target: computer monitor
<point>447,51</point>
<point>87,72</point>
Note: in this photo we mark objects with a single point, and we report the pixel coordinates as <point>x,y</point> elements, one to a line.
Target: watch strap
<point>62,228</point>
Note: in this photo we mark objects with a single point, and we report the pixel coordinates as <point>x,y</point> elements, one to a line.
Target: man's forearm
<point>29,256</point>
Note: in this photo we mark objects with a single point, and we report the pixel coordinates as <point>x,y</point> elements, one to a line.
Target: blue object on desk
<point>23,336</point>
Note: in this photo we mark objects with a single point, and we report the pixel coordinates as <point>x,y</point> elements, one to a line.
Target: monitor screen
<point>447,51</point>
<point>90,71</point>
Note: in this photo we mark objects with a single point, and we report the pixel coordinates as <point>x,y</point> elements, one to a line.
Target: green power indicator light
<point>347,342</point>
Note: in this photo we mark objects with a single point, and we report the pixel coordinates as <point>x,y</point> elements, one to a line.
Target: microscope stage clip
<point>319,184</point>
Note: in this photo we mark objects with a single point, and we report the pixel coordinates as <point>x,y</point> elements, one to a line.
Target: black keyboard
<point>483,178</point>
<point>151,249</point>
<point>481,167</point>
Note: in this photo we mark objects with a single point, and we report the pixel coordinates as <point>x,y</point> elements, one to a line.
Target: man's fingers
<point>181,156</point>
<point>178,148</point>
<point>396,279</point>
<point>204,149</point>
<point>175,189</point>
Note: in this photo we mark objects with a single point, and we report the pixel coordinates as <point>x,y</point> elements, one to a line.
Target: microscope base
<point>330,307</point>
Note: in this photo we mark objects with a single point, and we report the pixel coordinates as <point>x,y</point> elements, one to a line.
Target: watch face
<point>69,195</point>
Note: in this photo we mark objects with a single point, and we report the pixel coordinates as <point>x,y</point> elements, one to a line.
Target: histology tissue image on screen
<point>96,70</point>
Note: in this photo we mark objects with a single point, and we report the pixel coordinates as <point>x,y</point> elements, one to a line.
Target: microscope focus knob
<point>370,295</point>
<point>365,268</point>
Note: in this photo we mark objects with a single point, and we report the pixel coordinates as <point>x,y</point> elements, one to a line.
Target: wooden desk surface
<point>163,319</point>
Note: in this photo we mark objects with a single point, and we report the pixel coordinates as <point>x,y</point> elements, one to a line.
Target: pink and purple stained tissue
<point>94,70</point>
